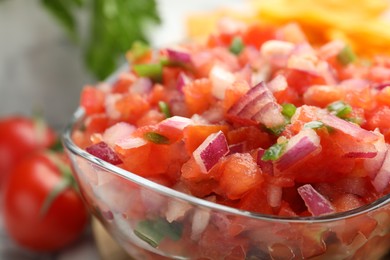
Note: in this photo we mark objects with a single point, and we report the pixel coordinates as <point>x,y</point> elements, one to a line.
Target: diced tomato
<point>362,98</point>
<point>380,118</point>
<point>92,100</point>
<point>234,92</point>
<point>170,75</point>
<point>301,80</point>
<point>97,123</point>
<point>252,137</point>
<point>323,95</point>
<point>257,34</point>
<point>194,135</point>
<point>383,97</point>
<point>255,201</point>
<point>151,117</point>
<point>123,83</point>
<point>240,175</point>
<point>198,96</point>
<point>131,107</point>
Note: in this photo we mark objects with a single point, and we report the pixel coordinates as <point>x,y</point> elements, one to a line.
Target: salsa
<point>257,117</point>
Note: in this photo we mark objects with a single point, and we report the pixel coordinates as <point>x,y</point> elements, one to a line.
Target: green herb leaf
<point>63,11</point>
<point>114,26</point>
<point>164,108</point>
<point>154,231</point>
<point>346,55</point>
<point>314,124</point>
<point>340,108</point>
<point>288,110</point>
<point>237,45</point>
<point>274,152</point>
<point>156,138</point>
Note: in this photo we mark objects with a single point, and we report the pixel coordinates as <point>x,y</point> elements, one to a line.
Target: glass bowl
<point>151,221</point>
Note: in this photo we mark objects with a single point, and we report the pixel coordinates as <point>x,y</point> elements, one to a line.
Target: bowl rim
<point>69,145</point>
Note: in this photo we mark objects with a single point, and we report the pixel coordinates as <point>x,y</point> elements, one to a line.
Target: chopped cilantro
<point>156,138</point>
<point>346,55</point>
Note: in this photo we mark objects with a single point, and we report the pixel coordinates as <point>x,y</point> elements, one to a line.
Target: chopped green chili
<point>164,108</point>
<point>236,45</point>
<point>156,138</point>
<point>149,70</point>
<point>288,110</point>
<point>274,152</point>
<point>346,55</point>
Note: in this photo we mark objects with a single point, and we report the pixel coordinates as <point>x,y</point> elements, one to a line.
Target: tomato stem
<point>67,181</point>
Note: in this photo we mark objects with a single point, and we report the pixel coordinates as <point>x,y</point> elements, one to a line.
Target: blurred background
<point>43,63</point>
<point>49,52</point>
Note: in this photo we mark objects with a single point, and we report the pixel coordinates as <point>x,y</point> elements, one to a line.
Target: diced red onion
<point>305,143</point>
<point>176,122</point>
<point>274,195</point>
<point>326,71</point>
<point>381,85</point>
<point>131,142</point>
<point>354,84</point>
<point>316,203</point>
<point>258,105</point>
<point>373,165</point>
<point>236,148</point>
<point>117,132</point>
<point>182,80</point>
<point>382,178</point>
<point>141,86</point>
<point>278,83</point>
<point>270,115</point>
<point>104,152</point>
<point>211,151</point>
<point>265,166</point>
<point>221,79</point>
<point>179,55</point>
<point>251,95</point>
<point>348,128</point>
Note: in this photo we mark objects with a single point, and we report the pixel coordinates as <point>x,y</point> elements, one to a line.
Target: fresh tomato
<point>42,212</point>
<point>19,136</point>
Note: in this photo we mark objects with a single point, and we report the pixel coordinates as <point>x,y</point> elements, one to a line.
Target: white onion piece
<point>141,86</point>
<point>382,178</point>
<point>316,203</point>
<point>211,151</point>
<point>278,83</point>
<point>274,195</point>
<point>306,63</point>
<point>277,52</point>
<point>117,132</point>
<point>179,55</point>
<point>131,142</point>
<point>348,128</point>
<point>221,79</point>
<point>305,143</point>
<point>200,220</point>
<point>373,165</point>
<point>176,122</point>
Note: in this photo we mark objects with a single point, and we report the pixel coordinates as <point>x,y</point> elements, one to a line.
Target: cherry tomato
<point>20,136</point>
<point>31,219</point>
